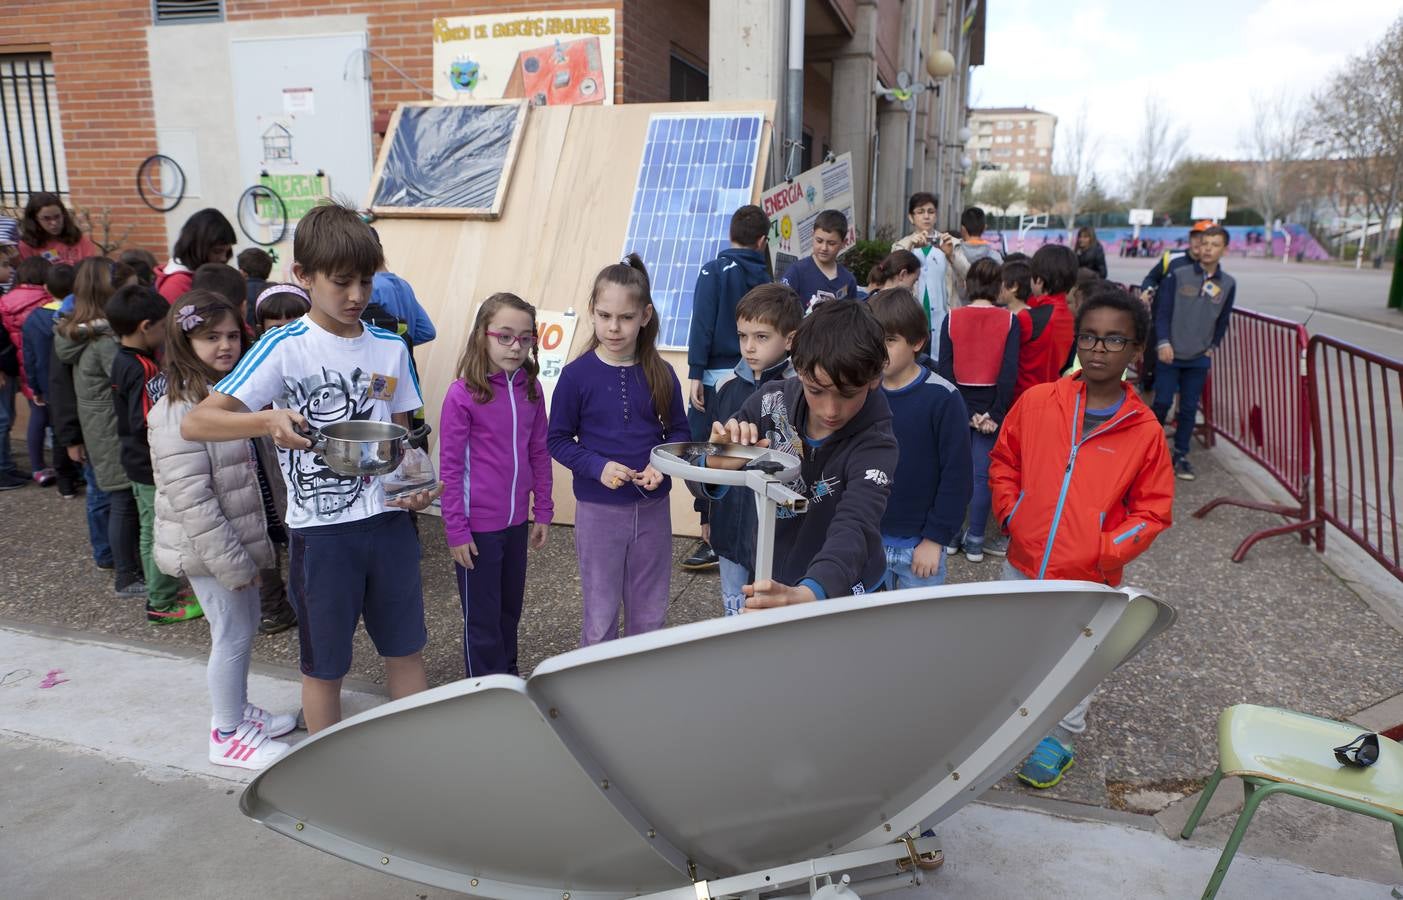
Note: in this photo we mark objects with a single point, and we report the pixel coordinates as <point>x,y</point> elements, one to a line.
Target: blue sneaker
<point>1050,761</point>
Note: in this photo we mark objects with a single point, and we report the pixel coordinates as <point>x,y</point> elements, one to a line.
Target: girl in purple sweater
<point>611,406</point>
<point>492,453</point>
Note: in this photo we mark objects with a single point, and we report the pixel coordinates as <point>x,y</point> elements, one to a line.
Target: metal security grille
<point>181,12</point>
<point>31,153</point>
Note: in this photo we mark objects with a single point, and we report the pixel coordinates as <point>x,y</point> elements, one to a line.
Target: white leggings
<point>233,622</point>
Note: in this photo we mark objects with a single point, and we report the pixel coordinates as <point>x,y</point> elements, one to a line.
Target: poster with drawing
<point>551,58</point>
<point>793,205</point>
<point>554,333</point>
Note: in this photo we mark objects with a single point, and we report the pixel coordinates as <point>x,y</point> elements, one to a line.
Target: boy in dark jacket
<point>833,417</point>
<point>932,431</point>
<point>713,349</point>
<point>137,315</point>
<point>766,320</point>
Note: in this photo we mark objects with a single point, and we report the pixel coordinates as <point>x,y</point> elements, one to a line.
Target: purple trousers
<point>625,556</point>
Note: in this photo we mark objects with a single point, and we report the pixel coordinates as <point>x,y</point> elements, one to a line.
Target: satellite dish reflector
<point>707,751</point>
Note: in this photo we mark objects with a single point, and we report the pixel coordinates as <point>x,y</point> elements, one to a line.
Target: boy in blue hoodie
<point>933,476</point>
<point>766,320</point>
<point>713,350</point>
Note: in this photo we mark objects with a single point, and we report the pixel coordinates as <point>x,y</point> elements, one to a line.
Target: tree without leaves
<point>1043,193</point>
<point>1274,143</point>
<point>1359,120</point>
<point>1157,150</point>
<point>1076,159</point>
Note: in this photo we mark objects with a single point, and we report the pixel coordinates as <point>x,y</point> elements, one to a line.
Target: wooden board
<point>395,137</point>
<point>565,219</point>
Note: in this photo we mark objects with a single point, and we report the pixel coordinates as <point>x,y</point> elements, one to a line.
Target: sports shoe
<point>278,622</point>
<point>1183,469</point>
<point>249,747</point>
<point>182,611</point>
<point>135,588</point>
<point>954,546</point>
<point>996,545</point>
<point>9,481</point>
<point>45,477</point>
<point>273,725</point>
<point>701,559</point>
<point>974,549</point>
<point>1050,761</point>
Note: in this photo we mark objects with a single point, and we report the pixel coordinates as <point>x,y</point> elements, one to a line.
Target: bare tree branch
<point>1076,155</point>
<point>1157,150</point>
<point>1273,143</point>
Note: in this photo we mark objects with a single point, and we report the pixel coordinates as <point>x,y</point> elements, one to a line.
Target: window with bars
<point>183,12</point>
<point>31,153</point>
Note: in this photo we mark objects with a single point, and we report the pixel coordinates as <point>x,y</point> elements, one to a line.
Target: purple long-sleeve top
<point>492,456</point>
<point>602,413</point>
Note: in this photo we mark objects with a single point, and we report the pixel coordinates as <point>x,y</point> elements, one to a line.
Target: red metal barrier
<point>1257,400</point>
<point>1357,410</point>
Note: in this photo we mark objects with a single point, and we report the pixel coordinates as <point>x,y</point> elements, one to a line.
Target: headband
<point>280,289</point>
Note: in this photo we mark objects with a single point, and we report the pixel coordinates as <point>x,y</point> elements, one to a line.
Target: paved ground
<point>1330,299</point>
<point>98,804</point>
<point>1247,632</point>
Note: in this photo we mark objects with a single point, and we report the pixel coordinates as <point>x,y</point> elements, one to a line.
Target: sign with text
<point>554,333</point>
<point>551,58</point>
<point>299,192</point>
<point>793,205</point>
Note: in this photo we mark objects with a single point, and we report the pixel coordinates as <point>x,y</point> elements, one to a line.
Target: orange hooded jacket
<point>1079,506</point>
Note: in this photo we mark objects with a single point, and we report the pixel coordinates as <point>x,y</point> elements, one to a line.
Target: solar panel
<point>697,169</point>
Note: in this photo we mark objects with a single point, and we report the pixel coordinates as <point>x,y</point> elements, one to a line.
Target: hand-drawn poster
<point>551,58</point>
<point>793,205</point>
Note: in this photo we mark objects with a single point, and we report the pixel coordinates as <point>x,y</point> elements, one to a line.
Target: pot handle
<point>315,436</point>
<point>418,438</point>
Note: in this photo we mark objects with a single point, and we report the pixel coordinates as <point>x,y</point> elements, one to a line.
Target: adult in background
<point>49,230</point>
<point>1090,254</point>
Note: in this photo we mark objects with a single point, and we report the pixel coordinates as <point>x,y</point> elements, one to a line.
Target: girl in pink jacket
<point>492,455</point>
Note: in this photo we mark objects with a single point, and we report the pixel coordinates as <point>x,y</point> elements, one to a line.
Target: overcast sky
<point>1204,59</point>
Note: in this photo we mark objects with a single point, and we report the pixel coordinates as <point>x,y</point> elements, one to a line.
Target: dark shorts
<point>338,574</point>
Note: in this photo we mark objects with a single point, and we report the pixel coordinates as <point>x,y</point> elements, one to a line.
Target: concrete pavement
<point>106,792</point>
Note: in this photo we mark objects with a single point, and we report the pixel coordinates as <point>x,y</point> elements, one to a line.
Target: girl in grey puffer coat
<point>211,525</point>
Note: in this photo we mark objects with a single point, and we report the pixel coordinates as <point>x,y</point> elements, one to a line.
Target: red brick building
<point>91,88</point>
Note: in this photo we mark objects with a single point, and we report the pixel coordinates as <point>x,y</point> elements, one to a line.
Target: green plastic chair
<point>1277,751</point>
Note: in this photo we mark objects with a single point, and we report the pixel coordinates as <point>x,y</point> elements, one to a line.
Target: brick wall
<point>104,98</point>
<point>648,32</point>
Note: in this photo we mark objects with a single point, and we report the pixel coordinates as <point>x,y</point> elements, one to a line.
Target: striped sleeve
<point>257,380</point>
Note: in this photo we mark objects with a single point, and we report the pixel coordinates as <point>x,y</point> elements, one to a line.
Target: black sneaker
<point>702,558</point>
<point>278,622</point>
<point>1183,469</point>
<point>10,481</point>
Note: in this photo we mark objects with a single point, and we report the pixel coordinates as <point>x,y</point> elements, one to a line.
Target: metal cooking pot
<point>358,448</point>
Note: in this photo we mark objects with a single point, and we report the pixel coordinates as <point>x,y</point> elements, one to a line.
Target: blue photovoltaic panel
<point>696,171</point>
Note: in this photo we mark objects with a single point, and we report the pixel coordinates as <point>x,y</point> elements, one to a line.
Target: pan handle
<point>315,436</point>
<point>418,438</point>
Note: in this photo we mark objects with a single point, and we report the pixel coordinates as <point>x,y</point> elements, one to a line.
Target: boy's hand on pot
<point>737,432</point>
<point>615,475</point>
<point>417,500</point>
<point>649,478</point>
<point>463,554</point>
<point>539,532</point>
<point>767,593</point>
<point>283,425</point>
<point>925,559</point>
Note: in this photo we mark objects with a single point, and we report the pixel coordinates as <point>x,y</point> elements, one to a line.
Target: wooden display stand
<point>565,216</point>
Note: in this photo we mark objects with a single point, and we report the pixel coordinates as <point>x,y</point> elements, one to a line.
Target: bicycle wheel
<point>160,182</point>
<point>262,215</point>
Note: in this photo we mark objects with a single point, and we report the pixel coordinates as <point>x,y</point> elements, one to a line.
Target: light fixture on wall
<point>964,134</point>
<point>940,63</point>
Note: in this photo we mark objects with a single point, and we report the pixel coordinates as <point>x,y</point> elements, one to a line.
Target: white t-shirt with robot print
<point>303,367</point>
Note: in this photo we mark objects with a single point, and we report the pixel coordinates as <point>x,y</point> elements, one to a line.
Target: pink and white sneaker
<point>249,747</point>
<point>273,724</point>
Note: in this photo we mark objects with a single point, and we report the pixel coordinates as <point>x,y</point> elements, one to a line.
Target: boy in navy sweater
<point>832,416</point>
<point>712,346</point>
<point>934,476</point>
<point>821,277</point>
<point>766,320</point>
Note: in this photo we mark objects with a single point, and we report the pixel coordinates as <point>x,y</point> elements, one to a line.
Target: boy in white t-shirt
<point>352,554</point>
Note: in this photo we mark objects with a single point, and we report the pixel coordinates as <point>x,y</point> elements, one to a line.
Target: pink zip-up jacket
<point>491,455</point>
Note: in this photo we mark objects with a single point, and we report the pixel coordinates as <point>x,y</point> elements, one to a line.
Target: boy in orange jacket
<point>1081,479</point>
